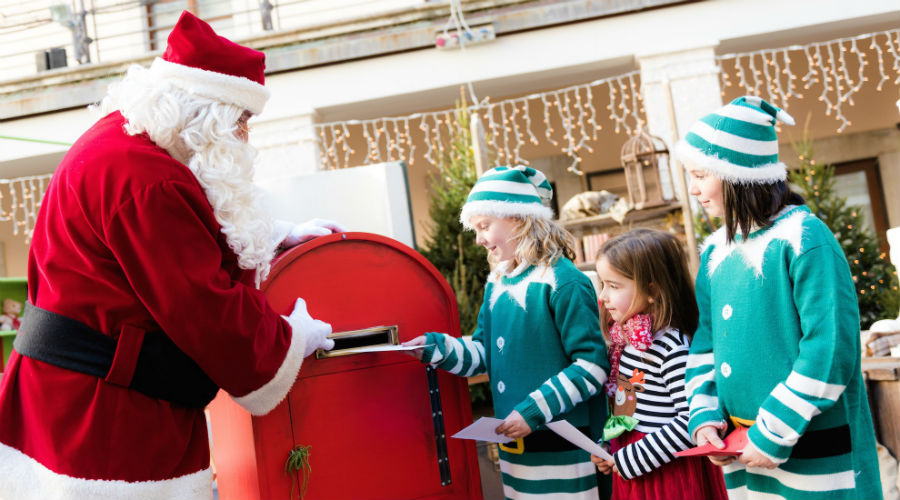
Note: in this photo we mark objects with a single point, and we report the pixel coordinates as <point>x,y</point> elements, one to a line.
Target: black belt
<point>148,362</point>
<point>821,443</point>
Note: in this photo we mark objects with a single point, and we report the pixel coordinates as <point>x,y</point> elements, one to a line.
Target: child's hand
<point>513,426</point>
<point>752,457</point>
<point>416,353</point>
<point>604,466</point>
<point>710,434</point>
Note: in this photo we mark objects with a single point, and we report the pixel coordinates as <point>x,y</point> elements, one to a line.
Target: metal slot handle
<point>350,342</point>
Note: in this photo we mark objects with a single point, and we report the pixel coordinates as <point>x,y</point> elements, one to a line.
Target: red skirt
<point>688,478</point>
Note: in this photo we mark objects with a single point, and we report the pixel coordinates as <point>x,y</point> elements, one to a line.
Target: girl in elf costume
<point>777,348</point>
<point>648,303</point>
<point>538,337</point>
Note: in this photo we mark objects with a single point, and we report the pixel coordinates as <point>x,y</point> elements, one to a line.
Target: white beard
<point>236,203</point>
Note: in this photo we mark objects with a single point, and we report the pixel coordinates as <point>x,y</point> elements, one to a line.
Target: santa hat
<point>509,192</point>
<point>737,143</point>
<point>200,62</point>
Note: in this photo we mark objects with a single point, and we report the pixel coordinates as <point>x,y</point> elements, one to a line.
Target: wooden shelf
<point>597,222</point>
<point>653,217</point>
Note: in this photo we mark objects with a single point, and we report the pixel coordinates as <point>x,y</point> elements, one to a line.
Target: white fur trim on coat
<point>690,156</point>
<point>267,397</point>
<point>236,90</point>
<point>24,478</point>
<point>502,209</point>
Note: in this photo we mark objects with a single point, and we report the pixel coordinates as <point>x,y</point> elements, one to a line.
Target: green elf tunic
<point>778,349</point>
<point>538,337</point>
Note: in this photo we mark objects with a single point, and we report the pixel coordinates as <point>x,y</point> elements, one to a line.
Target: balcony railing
<point>45,35</point>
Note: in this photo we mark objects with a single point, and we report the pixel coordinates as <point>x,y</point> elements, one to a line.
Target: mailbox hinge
<point>437,416</point>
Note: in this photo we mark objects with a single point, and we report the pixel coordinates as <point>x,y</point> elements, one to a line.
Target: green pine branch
<point>874,277</point>
<point>448,246</point>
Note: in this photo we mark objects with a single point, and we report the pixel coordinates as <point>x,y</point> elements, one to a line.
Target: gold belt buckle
<point>741,422</point>
<point>518,450</point>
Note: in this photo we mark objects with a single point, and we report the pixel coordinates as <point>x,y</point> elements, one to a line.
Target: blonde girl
<point>538,337</point>
<point>649,313</point>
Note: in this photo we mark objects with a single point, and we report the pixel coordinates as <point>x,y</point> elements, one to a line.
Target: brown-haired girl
<point>649,314</point>
<point>777,349</point>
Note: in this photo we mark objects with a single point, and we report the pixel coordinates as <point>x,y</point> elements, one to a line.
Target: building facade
<point>559,84</point>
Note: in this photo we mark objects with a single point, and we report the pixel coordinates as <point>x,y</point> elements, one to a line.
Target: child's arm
<point>700,373</point>
<point>462,356</point>
<point>603,465</point>
<point>659,447</point>
<point>577,319</point>
<point>828,355</point>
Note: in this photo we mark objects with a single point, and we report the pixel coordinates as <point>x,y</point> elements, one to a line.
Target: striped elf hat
<point>509,192</point>
<point>737,143</point>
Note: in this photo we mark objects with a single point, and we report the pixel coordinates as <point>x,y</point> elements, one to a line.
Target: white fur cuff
<point>267,397</point>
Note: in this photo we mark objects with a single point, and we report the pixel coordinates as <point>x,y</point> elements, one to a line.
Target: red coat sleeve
<point>172,253</point>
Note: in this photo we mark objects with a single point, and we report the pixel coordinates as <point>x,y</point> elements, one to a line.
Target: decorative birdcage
<point>648,176</point>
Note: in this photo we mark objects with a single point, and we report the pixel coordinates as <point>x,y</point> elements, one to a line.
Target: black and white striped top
<point>662,407</point>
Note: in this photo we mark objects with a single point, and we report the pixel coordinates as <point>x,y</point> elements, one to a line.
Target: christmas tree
<point>873,275</point>
<point>449,247</point>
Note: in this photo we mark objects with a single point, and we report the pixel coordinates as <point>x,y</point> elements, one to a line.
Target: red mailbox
<point>378,424</point>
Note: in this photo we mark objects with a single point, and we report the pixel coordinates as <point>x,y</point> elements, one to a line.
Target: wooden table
<point>883,385</point>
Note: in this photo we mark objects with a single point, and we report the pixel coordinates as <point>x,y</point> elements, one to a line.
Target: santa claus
<point>143,274</point>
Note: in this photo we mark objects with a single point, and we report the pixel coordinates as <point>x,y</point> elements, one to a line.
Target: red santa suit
<point>126,239</point>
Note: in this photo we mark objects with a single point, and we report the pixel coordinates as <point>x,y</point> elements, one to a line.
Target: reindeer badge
<point>626,393</point>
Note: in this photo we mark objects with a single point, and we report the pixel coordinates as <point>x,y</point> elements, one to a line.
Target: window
<point>859,182</point>
<point>161,16</point>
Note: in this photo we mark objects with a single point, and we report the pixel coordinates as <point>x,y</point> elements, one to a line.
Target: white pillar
<point>286,145</point>
<point>679,88</point>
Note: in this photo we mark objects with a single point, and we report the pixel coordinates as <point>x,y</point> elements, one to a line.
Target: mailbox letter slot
<point>350,342</point>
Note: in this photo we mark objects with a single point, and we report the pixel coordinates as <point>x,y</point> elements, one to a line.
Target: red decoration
<point>366,417</point>
<point>637,331</point>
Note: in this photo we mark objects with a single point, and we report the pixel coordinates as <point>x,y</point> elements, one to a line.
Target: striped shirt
<point>661,405</point>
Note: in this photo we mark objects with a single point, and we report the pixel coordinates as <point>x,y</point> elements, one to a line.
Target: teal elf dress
<point>538,337</point>
<point>778,349</point>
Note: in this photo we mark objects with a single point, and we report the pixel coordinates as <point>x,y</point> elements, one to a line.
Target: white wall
<point>540,59</point>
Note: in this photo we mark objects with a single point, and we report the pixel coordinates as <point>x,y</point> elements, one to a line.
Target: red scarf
<point>637,331</point>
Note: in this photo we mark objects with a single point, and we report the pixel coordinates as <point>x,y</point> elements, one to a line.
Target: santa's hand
<point>316,332</point>
<point>308,230</point>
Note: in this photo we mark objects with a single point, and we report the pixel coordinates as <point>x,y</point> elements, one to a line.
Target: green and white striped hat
<point>737,143</point>
<point>509,192</point>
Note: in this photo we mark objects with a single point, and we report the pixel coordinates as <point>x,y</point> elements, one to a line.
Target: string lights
<point>835,74</point>
<point>20,200</point>
<point>835,70</point>
<point>508,123</point>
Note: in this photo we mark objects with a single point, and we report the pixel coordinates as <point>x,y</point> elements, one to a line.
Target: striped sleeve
<point>700,372</point>
<point>829,320</point>
<point>462,356</point>
<point>576,315</point>
<point>560,393</point>
<point>659,447</point>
